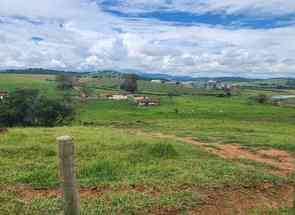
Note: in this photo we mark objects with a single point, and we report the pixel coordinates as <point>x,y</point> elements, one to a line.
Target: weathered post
<point>293,209</point>
<point>67,176</point>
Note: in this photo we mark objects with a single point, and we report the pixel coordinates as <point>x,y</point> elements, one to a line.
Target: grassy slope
<point>44,83</point>
<point>120,160</point>
<point>229,120</point>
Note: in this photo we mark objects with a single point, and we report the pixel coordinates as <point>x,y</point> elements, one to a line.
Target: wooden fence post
<point>293,209</point>
<point>67,176</point>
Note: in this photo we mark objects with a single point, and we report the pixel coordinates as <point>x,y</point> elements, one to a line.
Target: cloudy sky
<point>250,38</point>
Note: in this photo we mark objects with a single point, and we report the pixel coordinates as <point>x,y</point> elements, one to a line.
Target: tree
<point>262,98</point>
<point>19,108</point>
<point>130,83</point>
<point>53,112</point>
<point>65,82</point>
<point>291,83</point>
<point>29,108</point>
<point>227,91</point>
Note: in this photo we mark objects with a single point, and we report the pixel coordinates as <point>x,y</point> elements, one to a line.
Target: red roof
<point>2,93</point>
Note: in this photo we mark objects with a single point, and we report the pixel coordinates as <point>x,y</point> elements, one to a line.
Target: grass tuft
<point>162,150</point>
<point>101,171</point>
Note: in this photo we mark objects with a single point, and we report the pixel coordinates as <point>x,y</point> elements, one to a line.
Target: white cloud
<point>87,41</point>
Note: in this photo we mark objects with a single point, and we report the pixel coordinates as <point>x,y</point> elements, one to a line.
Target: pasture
<point>44,83</point>
<point>193,154</point>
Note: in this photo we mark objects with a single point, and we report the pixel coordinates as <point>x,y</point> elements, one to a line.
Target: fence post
<point>67,175</point>
<point>293,177</point>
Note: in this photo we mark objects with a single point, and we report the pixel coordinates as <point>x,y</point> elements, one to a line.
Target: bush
<point>29,108</point>
<point>101,170</point>
<point>130,83</point>
<point>65,82</point>
<point>162,150</point>
<point>262,99</point>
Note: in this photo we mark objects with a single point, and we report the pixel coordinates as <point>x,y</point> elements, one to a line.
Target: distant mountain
<point>107,73</point>
<point>40,71</point>
<point>141,75</point>
<point>162,76</point>
<point>227,79</point>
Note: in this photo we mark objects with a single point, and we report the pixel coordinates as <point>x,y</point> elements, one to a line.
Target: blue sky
<point>249,38</point>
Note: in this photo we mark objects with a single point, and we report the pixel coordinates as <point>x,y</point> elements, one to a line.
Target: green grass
<point>45,83</point>
<point>111,154</point>
<point>210,119</point>
<point>117,159</point>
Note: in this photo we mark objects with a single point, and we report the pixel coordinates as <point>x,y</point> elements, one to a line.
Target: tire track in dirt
<point>282,162</point>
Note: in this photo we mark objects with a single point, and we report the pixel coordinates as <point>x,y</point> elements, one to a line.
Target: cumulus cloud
<point>80,35</point>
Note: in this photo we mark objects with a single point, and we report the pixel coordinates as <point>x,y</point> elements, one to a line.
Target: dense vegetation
<point>30,108</point>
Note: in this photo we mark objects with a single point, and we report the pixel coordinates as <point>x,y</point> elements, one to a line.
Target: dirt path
<point>245,201</point>
<point>282,162</point>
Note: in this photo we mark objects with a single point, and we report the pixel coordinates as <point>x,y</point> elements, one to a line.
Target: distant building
<point>211,84</point>
<point>173,82</point>
<point>215,85</point>
<point>157,81</point>
<point>114,96</point>
<point>119,97</point>
<point>282,97</point>
<point>189,84</point>
<point>3,94</point>
<point>146,101</point>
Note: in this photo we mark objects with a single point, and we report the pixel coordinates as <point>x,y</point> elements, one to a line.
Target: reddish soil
<point>213,201</point>
<point>3,130</point>
<point>244,201</point>
<point>282,162</point>
<point>28,193</point>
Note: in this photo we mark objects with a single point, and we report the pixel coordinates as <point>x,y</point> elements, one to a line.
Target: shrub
<point>29,108</point>
<point>130,83</point>
<point>162,150</point>
<point>262,98</point>
<point>101,170</point>
<point>65,82</point>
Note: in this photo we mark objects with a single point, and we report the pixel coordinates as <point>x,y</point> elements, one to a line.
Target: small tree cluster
<point>262,98</point>
<point>65,82</point>
<point>30,108</point>
<point>130,83</point>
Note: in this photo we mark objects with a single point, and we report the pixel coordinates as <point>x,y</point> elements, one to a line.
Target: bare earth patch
<point>281,161</point>
<point>214,201</point>
<point>3,130</point>
<point>244,201</point>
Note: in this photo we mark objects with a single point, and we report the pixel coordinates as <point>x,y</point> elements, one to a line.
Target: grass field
<point>227,120</point>
<point>119,161</point>
<point>137,160</point>
<point>45,83</point>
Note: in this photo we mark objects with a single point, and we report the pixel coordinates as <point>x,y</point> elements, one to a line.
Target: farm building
<point>146,101</point>
<point>157,81</point>
<point>114,96</point>
<point>173,82</point>
<point>3,94</point>
<point>187,84</point>
<point>216,85</point>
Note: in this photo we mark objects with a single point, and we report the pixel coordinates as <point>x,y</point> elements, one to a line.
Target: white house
<point>3,94</point>
<point>119,97</point>
<point>156,81</point>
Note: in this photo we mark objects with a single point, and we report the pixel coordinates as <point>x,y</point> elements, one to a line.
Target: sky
<point>245,38</point>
